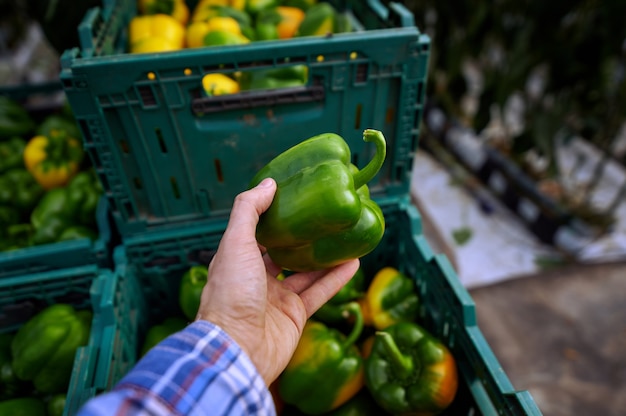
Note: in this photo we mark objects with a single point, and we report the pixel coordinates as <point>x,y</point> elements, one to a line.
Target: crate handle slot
<point>252,99</point>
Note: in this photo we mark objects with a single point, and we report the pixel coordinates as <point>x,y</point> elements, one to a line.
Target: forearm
<point>199,370</point>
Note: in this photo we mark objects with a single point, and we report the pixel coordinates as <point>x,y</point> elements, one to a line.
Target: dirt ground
<point>561,335</point>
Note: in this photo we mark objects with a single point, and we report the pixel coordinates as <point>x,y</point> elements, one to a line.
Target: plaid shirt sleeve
<point>197,371</point>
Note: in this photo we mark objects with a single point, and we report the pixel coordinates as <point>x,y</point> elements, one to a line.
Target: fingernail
<point>265,183</point>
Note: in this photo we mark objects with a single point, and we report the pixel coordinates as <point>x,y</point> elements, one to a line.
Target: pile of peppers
<point>364,353</point>
<point>48,192</point>
<point>36,362</point>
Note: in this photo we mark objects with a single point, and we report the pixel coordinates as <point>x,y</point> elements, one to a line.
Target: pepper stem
<point>402,364</point>
<point>353,308</point>
<point>371,169</point>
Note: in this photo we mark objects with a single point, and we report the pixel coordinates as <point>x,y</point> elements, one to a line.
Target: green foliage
<point>578,44</point>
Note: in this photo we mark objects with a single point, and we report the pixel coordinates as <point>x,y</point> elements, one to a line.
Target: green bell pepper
<point>56,405</point>
<point>12,154</point>
<point>333,311</point>
<point>291,76</point>
<point>362,404</point>
<point>58,122</point>
<point>14,119</point>
<point>390,298</point>
<point>18,236</point>
<point>23,406</point>
<point>191,285</point>
<point>318,218</point>
<point>76,232</point>
<point>19,189</point>
<point>62,213</point>
<point>410,372</point>
<point>10,386</point>
<point>44,347</point>
<point>51,229</point>
<point>326,369</point>
<point>158,333</point>
<point>84,192</point>
<point>8,216</point>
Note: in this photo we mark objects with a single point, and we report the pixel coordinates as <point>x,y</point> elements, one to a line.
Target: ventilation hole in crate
<point>147,96</point>
<point>175,189</point>
<point>124,146</point>
<point>85,130</point>
<point>159,135</point>
<point>357,117</point>
<point>95,160</point>
<point>104,181</point>
<point>137,182</point>
<point>420,97</point>
<point>218,170</point>
<point>390,115</point>
<point>128,208</point>
<point>361,73</point>
<point>399,171</point>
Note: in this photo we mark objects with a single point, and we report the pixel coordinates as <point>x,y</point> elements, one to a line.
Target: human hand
<point>263,315</point>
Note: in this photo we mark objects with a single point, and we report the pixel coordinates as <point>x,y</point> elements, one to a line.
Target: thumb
<point>247,208</point>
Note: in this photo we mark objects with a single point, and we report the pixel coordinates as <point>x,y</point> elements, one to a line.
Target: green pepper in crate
<point>11,154</point>
<point>14,119</point>
<point>319,217</point>
<point>390,298</point>
<point>56,405</point>
<point>61,210</point>
<point>256,6</point>
<point>319,20</point>
<point>18,236</point>
<point>326,369</point>
<point>58,122</point>
<point>43,348</point>
<point>158,333</point>
<point>19,189</point>
<point>291,76</point>
<point>23,406</point>
<point>8,217</point>
<point>410,372</point>
<point>191,285</point>
<point>332,312</point>
<point>362,404</point>
<point>10,385</point>
<point>84,192</point>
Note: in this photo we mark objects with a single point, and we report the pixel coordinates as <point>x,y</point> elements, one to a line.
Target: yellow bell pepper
<point>155,33</point>
<point>54,159</point>
<point>196,31</point>
<point>235,4</point>
<point>178,9</point>
<point>219,84</point>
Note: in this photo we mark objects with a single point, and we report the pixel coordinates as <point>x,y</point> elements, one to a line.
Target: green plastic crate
<point>85,287</point>
<point>167,155</point>
<point>41,100</point>
<point>121,308</point>
<point>447,309</point>
<point>63,254</point>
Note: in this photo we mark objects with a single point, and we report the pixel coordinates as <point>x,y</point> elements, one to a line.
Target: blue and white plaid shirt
<point>198,371</point>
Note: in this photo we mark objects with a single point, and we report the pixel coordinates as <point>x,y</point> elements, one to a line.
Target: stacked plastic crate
<point>60,254</point>
<point>75,272</point>
<point>172,160</point>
